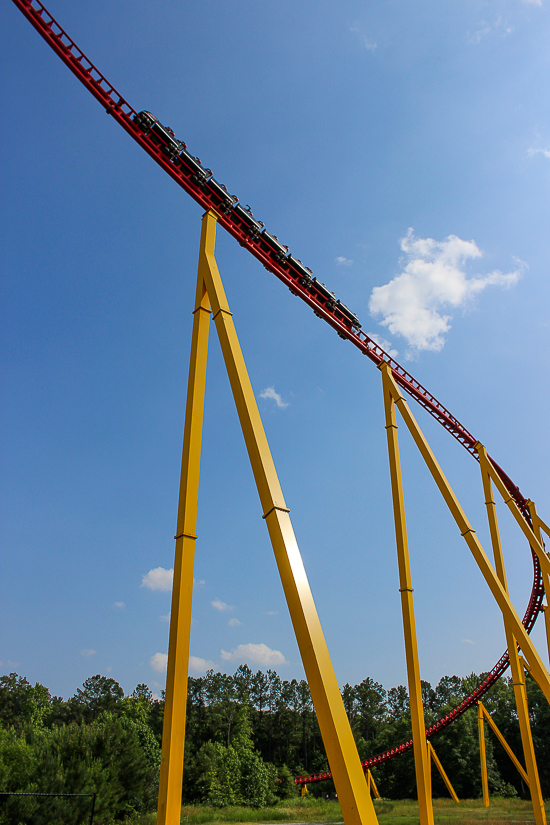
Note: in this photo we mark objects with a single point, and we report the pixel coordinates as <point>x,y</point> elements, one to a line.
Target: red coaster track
<point>198,182</point>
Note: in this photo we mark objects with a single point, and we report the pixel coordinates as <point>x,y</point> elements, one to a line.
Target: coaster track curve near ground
<point>199,183</point>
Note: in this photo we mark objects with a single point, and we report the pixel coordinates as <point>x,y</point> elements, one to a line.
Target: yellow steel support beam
<point>518,676</point>
<point>482,754</point>
<point>442,773</point>
<point>421,758</point>
<point>538,527</point>
<point>517,764</point>
<point>173,733</point>
<point>349,779</point>
<point>512,619</point>
<point>373,790</point>
<point>527,669</point>
<point>532,538</point>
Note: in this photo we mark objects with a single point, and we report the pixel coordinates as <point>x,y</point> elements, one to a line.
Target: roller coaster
<point>187,171</point>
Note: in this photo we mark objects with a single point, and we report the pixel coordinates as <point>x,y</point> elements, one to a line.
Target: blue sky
<point>402,151</point>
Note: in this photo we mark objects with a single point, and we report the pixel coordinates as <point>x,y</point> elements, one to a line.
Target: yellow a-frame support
<point>482,714</point>
<point>352,789</point>
<point>496,580</point>
<point>518,675</point>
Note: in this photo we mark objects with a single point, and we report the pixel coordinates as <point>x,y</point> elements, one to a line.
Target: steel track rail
<point>291,274</point>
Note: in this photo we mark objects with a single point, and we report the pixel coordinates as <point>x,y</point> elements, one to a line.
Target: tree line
<point>247,736</point>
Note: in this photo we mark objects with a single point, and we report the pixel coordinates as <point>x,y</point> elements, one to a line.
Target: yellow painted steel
<point>512,619</point>
<point>482,754</point>
<point>434,757</point>
<point>538,527</point>
<point>349,779</point>
<point>372,785</point>
<point>527,669</point>
<point>518,676</point>
<point>421,757</point>
<point>532,538</point>
<point>173,734</point>
<point>492,724</point>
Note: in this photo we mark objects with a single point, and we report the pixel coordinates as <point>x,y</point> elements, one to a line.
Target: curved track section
<point>188,172</point>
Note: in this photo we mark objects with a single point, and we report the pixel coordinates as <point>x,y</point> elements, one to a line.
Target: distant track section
<point>187,171</point>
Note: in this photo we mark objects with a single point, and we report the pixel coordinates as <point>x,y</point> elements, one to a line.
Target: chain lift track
<point>160,143</point>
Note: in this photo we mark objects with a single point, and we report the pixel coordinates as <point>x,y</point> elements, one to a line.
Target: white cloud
<point>341,261</point>
<point>532,151</point>
<point>255,654</point>
<point>198,665</point>
<point>368,44</point>
<point>533,2</point>
<point>158,579</point>
<point>234,622</point>
<point>467,641</point>
<point>120,605</point>
<point>271,613</point>
<point>165,618</point>
<point>498,26</point>
<point>382,342</point>
<point>475,38</point>
<point>433,278</point>
<point>217,604</point>
<point>269,392</point>
<point>88,652</point>
<point>159,662</point>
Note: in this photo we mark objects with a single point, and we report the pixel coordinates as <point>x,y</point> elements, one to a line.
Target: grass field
<point>389,812</point>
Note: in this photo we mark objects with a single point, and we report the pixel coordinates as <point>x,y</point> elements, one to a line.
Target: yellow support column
<point>492,724</point>
<point>421,758</point>
<point>518,676</point>
<point>173,732</point>
<point>349,779</point>
<point>537,669</point>
<point>538,527</point>
<point>373,790</point>
<point>442,773</point>
<point>482,754</point>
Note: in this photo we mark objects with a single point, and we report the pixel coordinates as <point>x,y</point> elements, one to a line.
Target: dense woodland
<point>247,736</point>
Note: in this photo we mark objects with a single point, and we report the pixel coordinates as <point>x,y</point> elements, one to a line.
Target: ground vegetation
<point>247,736</point>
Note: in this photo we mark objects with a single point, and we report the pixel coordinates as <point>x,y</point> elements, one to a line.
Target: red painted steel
<point>284,269</point>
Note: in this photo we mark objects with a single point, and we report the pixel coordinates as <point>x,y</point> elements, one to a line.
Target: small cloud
<point>467,641</point>
<point>499,26</point>
<point>198,665</point>
<point>366,42</point>
<point>269,392</point>
<point>255,654</point>
<point>119,605</point>
<point>385,345</point>
<point>412,303</point>
<point>88,652</point>
<point>532,151</point>
<point>9,663</point>
<point>341,261</point>
<point>217,604</point>
<point>159,662</point>
<point>158,579</point>
<point>165,618</point>
<point>198,582</point>
<point>533,2</point>
<point>475,38</point>
<point>109,669</point>
<point>234,622</point>
<point>271,613</point>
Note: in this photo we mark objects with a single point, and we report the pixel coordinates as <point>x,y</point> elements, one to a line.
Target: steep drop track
<point>198,182</point>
